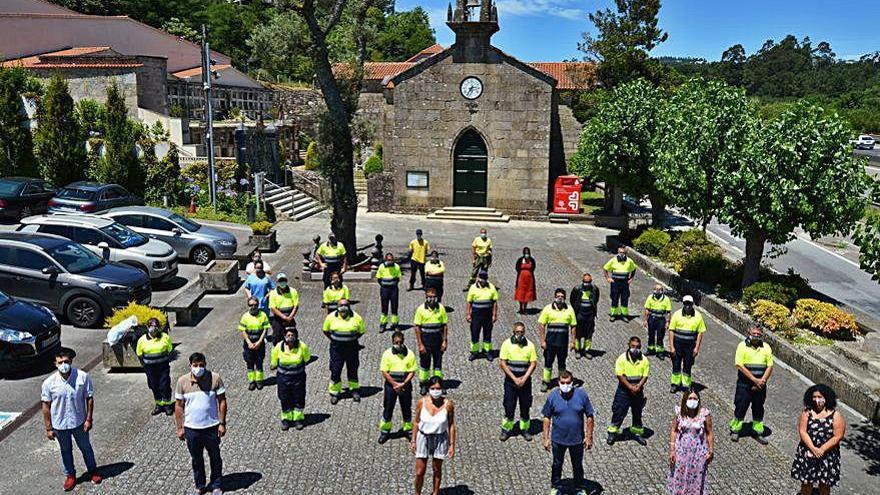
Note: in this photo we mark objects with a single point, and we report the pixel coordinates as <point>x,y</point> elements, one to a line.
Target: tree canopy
<point>59,141</point>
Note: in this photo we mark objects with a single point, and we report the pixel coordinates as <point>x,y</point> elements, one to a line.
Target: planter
<point>122,354</point>
<point>265,243</point>
<point>220,276</point>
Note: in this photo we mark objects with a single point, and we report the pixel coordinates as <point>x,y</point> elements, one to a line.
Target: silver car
<point>112,240</point>
<point>200,243</point>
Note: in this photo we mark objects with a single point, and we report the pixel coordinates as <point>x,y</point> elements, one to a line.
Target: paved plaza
<point>337,452</point>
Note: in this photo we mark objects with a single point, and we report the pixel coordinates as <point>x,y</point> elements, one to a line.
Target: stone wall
<point>303,106</point>
<point>151,84</point>
<point>513,115</point>
<point>93,83</point>
<point>380,192</point>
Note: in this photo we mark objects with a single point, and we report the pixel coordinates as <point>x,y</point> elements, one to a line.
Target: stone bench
<point>244,254</point>
<point>185,305</point>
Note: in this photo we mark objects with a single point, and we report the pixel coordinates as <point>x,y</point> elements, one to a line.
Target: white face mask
<point>566,387</point>
<point>197,371</point>
<point>692,403</point>
<point>64,368</point>
<point>436,393</point>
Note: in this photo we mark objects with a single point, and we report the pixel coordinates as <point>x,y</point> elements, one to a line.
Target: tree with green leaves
<point>119,163</point>
<point>16,142</point>
<point>619,144</point>
<point>59,142</point>
<point>623,41</point>
<point>178,27</point>
<point>707,131</point>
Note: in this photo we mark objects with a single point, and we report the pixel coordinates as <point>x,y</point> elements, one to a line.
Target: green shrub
<point>770,291</point>
<point>773,316</point>
<point>706,264</point>
<point>651,242</point>
<point>261,228</point>
<point>825,319</point>
<point>312,162</point>
<point>373,165</point>
<point>676,252</point>
<point>143,314</point>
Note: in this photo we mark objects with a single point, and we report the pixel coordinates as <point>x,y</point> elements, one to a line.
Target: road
<point>835,274</point>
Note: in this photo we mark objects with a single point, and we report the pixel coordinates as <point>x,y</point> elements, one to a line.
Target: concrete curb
<point>817,368</point>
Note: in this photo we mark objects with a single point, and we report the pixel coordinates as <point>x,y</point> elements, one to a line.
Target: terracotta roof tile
<point>196,71</point>
<point>78,57</point>
<point>427,52</point>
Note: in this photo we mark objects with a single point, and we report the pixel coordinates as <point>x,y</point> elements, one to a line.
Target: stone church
<point>470,125</point>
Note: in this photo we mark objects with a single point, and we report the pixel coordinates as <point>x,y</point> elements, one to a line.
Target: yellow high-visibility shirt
<point>332,296</point>
<point>398,366</point>
<point>482,297</point>
<point>658,307</point>
<point>620,270</point>
<point>154,351</point>
<point>285,301</point>
<point>344,329</point>
<point>290,361</point>
<point>633,371</point>
<point>687,327</point>
<point>517,357</point>
<point>435,269</point>
<point>755,359</point>
<point>332,254</point>
<point>481,247</point>
<point>388,275</point>
<point>419,250</point>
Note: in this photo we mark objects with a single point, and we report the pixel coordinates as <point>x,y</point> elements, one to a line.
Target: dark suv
<point>29,334</point>
<point>67,278</point>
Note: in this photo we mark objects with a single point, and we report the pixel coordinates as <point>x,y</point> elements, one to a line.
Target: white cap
<point>689,299</point>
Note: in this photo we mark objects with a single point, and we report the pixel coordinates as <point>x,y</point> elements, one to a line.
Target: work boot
<point>355,396</point>
<point>504,435</point>
<point>611,439</point>
<point>259,385</point>
<point>383,437</point>
<point>285,424</point>
<point>734,436</point>
<point>588,355</point>
<point>578,354</point>
<point>298,425</point>
<point>156,410</point>
<point>639,440</point>
<point>673,389</point>
<point>382,327</point>
<point>545,387</point>
<point>473,356</point>
<point>169,410</point>
<point>650,351</point>
<point>69,482</point>
<point>252,386</point>
<point>334,399</point>
<point>489,356</point>
<point>760,438</point>
<point>527,436</point>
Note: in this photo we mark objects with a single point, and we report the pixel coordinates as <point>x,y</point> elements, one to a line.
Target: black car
<point>23,196</point>
<point>89,197</point>
<point>67,278</point>
<point>29,334</point>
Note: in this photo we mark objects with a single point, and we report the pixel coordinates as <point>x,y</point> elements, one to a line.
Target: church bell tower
<point>474,22</point>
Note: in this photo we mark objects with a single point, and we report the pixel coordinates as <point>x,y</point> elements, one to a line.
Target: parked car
<point>29,334</point>
<point>192,240</point>
<point>89,197</point>
<point>104,236</point>
<point>23,196</point>
<point>865,142</point>
<point>67,278</point>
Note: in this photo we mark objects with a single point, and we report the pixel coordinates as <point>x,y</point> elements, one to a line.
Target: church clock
<point>471,88</point>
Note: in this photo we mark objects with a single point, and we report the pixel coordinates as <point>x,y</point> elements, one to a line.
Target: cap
<point>484,275</point>
<point>418,231</point>
<point>689,299</point>
<point>281,276</point>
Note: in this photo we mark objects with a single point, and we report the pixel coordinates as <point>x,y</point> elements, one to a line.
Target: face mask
<point>587,285</point>
<point>399,348</point>
<point>621,257</point>
<point>688,310</point>
<point>291,341</point>
<point>344,311</point>
<point>197,371</point>
<point>527,255</point>
<point>483,236</point>
<point>257,258</point>
<point>260,273</point>
<point>435,260</point>
<point>566,388</point>
<point>254,311</point>
<point>336,283</point>
<point>419,236</point>
<point>431,302</point>
<point>482,283</point>
<point>283,285</point>
<point>436,393</point>
<point>755,341</point>
<point>153,331</point>
<point>389,263</point>
<point>64,368</point>
<point>692,403</point>
<point>635,354</point>
<point>332,240</point>
<point>819,402</point>
<point>658,294</point>
<point>519,340</point>
<point>559,301</point>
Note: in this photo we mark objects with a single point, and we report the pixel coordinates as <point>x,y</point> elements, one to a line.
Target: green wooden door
<point>470,163</point>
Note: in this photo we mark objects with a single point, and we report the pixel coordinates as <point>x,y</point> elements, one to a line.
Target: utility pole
<point>207,78</point>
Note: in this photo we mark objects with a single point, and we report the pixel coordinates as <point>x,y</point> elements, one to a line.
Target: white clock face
<point>471,88</point>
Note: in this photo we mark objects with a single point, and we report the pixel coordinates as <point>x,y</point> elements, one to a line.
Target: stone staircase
<point>290,203</point>
<point>469,213</point>
<point>360,182</point>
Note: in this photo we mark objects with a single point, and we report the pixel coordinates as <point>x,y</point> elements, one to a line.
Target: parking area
<point>20,389</point>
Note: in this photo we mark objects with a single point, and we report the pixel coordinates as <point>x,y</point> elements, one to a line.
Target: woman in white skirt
<point>433,433</point>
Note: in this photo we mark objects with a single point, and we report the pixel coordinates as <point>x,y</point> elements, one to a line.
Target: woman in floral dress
<point>821,428</point>
<point>691,448</point>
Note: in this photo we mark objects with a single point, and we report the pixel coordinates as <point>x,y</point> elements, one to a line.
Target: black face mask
<point>635,354</point>
<point>587,285</point>
<point>621,257</point>
<point>336,284</point>
<point>482,283</point>
<point>431,303</point>
<point>560,303</point>
<point>754,341</point>
<point>658,295</point>
<point>519,340</point>
<point>688,310</point>
<point>389,263</point>
<point>398,349</point>
<point>344,311</point>
<point>293,343</point>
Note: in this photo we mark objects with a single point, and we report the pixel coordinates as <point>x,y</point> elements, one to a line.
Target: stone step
<point>307,213</point>
<point>470,218</point>
<point>466,213</point>
<point>277,195</point>
<point>482,209</point>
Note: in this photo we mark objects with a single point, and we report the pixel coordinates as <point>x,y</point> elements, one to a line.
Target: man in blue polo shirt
<point>565,410</point>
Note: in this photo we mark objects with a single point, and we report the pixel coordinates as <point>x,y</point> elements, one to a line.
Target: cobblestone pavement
<point>337,452</point>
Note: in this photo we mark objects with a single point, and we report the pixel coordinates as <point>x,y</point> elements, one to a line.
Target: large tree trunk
<point>754,253</point>
<point>658,210</point>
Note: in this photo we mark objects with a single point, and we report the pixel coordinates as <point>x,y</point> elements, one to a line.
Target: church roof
<point>77,57</point>
<point>427,52</point>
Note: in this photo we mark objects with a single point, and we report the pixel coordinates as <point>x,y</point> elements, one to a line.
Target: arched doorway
<point>470,160</point>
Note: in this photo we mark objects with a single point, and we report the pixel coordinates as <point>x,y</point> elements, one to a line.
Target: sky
<point>549,30</point>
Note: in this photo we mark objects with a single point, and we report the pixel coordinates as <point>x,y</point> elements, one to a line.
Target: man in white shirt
<point>201,421</point>
<point>67,399</point>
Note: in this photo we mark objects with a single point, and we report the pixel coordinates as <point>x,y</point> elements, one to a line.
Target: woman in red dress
<point>525,280</point>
